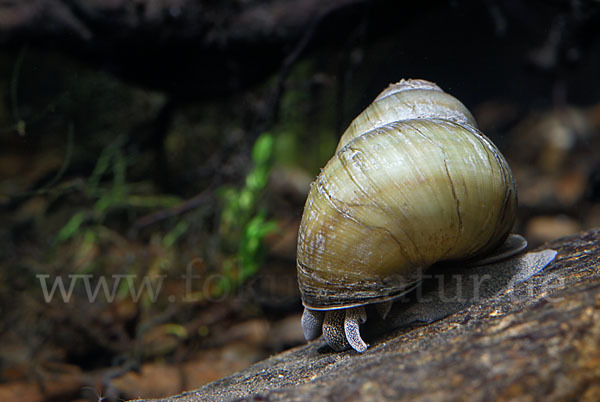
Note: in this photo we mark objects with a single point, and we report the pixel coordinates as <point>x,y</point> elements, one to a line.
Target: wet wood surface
<point>538,341</point>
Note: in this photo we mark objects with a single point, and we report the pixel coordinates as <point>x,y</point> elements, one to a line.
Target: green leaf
<point>70,228</point>
<point>179,230</point>
<point>263,149</point>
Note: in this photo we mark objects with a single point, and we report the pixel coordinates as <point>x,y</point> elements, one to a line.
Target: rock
<point>537,341</point>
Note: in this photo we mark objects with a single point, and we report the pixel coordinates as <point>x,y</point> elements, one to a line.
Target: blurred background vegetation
<point>169,149</point>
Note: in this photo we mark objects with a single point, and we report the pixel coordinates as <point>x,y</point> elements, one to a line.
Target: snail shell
<point>413,182</point>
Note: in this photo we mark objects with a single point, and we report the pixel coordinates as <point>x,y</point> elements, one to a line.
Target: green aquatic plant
<point>117,194</point>
<point>243,223</point>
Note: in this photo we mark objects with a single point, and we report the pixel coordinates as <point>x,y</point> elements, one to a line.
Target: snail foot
<point>341,329</point>
<point>333,330</point>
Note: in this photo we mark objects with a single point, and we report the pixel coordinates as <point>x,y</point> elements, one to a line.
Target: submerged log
<point>539,340</point>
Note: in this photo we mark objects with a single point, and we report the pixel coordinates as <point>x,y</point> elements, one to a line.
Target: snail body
<point>412,183</point>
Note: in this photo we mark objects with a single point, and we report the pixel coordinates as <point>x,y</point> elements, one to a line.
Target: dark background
<point>126,138</point>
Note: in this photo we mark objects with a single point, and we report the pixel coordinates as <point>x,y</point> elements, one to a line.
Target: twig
<point>179,209</point>
<point>14,85</point>
<point>65,164</point>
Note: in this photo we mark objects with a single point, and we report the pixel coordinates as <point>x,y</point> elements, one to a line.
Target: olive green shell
<point>401,194</point>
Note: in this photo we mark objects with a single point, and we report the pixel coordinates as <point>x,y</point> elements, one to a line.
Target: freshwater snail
<point>413,182</point>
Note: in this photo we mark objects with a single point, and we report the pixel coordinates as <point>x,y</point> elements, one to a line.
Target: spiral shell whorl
<point>407,99</point>
<point>404,194</point>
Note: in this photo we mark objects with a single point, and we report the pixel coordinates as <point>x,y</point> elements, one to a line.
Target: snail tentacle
<point>312,323</point>
<point>354,317</point>
<point>383,309</point>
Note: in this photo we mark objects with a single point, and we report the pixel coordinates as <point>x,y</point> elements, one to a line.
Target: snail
<point>413,182</point>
